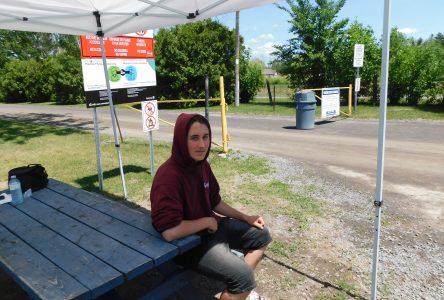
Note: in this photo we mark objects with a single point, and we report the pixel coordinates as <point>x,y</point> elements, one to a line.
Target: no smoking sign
<point>150,115</point>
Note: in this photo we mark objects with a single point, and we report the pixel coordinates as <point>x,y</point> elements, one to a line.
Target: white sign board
<point>150,115</point>
<point>330,102</point>
<point>357,84</point>
<point>358,58</point>
<point>122,73</point>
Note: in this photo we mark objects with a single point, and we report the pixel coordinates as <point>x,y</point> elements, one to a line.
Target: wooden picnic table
<point>66,243</point>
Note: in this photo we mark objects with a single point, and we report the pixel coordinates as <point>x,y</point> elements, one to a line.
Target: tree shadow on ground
<point>437,109</point>
<point>23,131</point>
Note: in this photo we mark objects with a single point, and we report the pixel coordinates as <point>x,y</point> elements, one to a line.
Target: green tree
<point>440,38</point>
<point>40,67</point>
<point>402,60</point>
<point>27,81</point>
<point>186,53</point>
<point>251,80</point>
<point>426,75</point>
<point>25,45</point>
<point>68,79</point>
<point>309,56</point>
<point>416,69</point>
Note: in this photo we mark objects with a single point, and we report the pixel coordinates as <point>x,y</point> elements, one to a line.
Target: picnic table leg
<point>176,279</point>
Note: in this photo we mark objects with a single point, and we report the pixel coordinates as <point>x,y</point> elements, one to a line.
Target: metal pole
<point>274,96</point>
<point>236,67</point>
<point>381,144</point>
<point>207,97</point>
<point>111,105</point>
<point>118,126</point>
<point>151,154</point>
<point>356,92</point>
<point>98,151</point>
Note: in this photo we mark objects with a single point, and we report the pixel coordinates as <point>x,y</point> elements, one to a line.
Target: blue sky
<point>264,26</point>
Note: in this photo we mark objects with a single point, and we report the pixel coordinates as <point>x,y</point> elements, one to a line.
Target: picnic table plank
<point>39,277</point>
<point>118,210</point>
<point>96,275</point>
<point>139,240</point>
<point>114,253</point>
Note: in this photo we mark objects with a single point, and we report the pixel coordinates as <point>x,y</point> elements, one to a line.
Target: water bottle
<point>16,190</point>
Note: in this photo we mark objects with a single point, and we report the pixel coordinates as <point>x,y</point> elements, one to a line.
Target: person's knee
<point>265,237</point>
<point>243,281</point>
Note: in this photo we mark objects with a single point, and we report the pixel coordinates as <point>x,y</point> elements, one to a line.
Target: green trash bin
<point>305,109</point>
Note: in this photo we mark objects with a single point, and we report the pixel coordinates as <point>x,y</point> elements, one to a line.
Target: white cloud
<point>262,46</point>
<point>267,47</point>
<point>408,30</point>
<point>266,36</point>
<point>260,39</point>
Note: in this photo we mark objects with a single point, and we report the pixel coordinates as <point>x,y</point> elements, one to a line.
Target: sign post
<point>358,62</point>
<point>150,121</point>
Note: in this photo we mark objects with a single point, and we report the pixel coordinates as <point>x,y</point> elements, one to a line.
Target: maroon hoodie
<point>183,189</point>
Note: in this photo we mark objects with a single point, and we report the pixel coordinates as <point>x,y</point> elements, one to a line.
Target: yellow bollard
<point>223,109</point>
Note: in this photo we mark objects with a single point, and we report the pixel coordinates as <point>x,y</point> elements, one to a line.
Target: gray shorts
<point>215,259</point>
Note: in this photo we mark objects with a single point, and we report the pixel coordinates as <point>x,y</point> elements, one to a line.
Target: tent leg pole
<point>377,225</point>
<point>98,151</point>
<point>381,142</point>
<point>111,105</point>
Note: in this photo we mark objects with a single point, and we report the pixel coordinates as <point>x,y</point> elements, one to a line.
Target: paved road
<point>344,149</point>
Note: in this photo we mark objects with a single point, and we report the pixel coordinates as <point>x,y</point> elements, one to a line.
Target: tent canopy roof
<point>79,17</point>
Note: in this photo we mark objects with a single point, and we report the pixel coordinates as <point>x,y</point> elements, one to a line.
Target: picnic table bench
<point>66,243</point>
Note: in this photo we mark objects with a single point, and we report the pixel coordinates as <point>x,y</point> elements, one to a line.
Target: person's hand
<point>211,225</point>
<point>256,221</point>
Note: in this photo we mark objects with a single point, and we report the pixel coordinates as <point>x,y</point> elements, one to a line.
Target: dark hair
<point>199,119</point>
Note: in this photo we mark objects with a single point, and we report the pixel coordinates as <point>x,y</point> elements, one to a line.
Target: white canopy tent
<point>115,17</point>
<point>78,17</point>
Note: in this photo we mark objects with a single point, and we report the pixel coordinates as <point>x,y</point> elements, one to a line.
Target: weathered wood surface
<point>67,243</point>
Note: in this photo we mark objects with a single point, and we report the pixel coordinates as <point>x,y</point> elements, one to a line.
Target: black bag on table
<point>32,177</point>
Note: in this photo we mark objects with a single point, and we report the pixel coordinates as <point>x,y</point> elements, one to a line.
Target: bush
<point>26,81</point>
<point>250,83</point>
<point>56,79</point>
<point>68,79</point>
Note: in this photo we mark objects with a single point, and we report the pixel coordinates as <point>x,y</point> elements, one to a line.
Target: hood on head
<point>179,151</point>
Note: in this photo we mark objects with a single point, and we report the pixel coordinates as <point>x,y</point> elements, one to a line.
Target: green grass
<point>69,156</point>
<point>400,112</point>
<point>285,249</point>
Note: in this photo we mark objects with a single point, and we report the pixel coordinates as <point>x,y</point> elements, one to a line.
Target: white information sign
<point>330,102</point>
<point>150,115</point>
<point>357,84</point>
<point>122,73</point>
<point>358,58</point>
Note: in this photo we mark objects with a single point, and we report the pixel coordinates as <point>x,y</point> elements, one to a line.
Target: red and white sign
<point>149,34</point>
<point>117,46</point>
<point>150,115</point>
